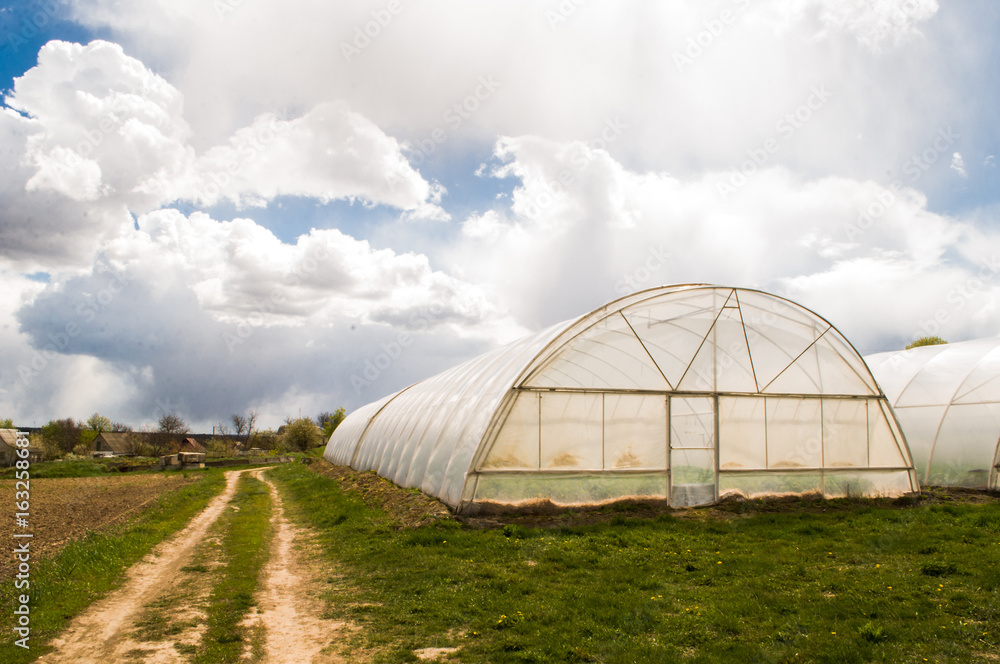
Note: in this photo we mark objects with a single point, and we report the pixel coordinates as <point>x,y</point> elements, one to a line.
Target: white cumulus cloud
<point>958,164</point>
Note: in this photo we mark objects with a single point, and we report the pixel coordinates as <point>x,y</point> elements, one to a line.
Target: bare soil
<point>289,607</point>
<point>158,615</point>
<point>103,632</point>
<point>65,509</point>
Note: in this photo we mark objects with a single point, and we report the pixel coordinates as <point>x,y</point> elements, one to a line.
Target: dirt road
<point>165,592</point>
<point>290,613</point>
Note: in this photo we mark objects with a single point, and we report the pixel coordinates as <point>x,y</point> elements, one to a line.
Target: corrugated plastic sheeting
<point>794,433</point>
<point>921,426</point>
<point>977,426</point>
<point>894,371</point>
<point>575,489</point>
<point>572,431</point>
<point>947,399</point>
<point>845,422</point>
<point>516,445</point>
<point>576,398</point>
<point>584,431</point>
<point>742,433</point>
<point>777,332</point>
<point>983,382</point>
<point>607,355</point>
<point>635,431</point>
<point>831,483</point>
<point>427,434</point>
<point>345,439</point>
<point>673,334</point>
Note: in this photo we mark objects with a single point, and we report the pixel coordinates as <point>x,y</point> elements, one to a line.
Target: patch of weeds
<point>938,569</point>
<point>873,633</point>
<point>245,548</point>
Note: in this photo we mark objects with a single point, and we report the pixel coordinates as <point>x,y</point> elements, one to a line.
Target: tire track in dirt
<point>288,606</point>
<point>100,634</point>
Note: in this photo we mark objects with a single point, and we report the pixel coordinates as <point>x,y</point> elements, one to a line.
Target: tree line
<point>68,436</point>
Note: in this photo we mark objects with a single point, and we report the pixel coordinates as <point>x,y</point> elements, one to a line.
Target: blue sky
<point>256,199</point>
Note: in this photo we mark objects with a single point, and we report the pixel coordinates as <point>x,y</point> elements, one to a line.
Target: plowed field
<point>64,509</point>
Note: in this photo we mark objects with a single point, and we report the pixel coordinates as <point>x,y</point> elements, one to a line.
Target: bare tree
<point>134,444</point>
<point>239,424</point>
<point>251,418</point>
<point>173,424</point>
<point>171,427</point>
<point>244,425</point>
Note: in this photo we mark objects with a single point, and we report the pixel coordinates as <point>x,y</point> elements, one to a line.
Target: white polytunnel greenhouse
<point>685,394</point>
<point>947,399</point>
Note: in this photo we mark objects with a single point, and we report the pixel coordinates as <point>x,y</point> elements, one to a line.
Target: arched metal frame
<point>702,369</point>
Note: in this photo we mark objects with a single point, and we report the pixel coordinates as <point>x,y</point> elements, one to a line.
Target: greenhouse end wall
<point>947,399</point>
<point>684,394</point>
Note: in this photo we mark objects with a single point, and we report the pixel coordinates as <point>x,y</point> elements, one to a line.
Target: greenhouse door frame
<point>690,417</point>
<point>994,479</point>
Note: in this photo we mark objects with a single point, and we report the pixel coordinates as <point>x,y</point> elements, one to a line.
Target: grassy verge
<point>86,569</point>
<point>80,467</point>
<point>858,582</point>
<point>245,548</point>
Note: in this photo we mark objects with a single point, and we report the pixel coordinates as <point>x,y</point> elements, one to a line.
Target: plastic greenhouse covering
<point>684,394</point>
<point>947,399</point>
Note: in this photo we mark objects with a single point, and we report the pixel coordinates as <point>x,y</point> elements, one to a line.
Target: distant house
<point>8,448</point>
<point>117,444</point>
<point>191,445</point>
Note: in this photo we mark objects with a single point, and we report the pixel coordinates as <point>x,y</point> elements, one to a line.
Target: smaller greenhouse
<point>947,399</point>
<point>683,394</point>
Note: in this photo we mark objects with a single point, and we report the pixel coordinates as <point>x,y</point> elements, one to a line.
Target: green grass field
<point>246,536</point>
<point>809,581</point>
<point>88,568</point>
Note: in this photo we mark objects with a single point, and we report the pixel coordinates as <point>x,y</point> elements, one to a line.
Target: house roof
<point>8,438</point>
<point>190,444</point>
<point>117,441</point>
